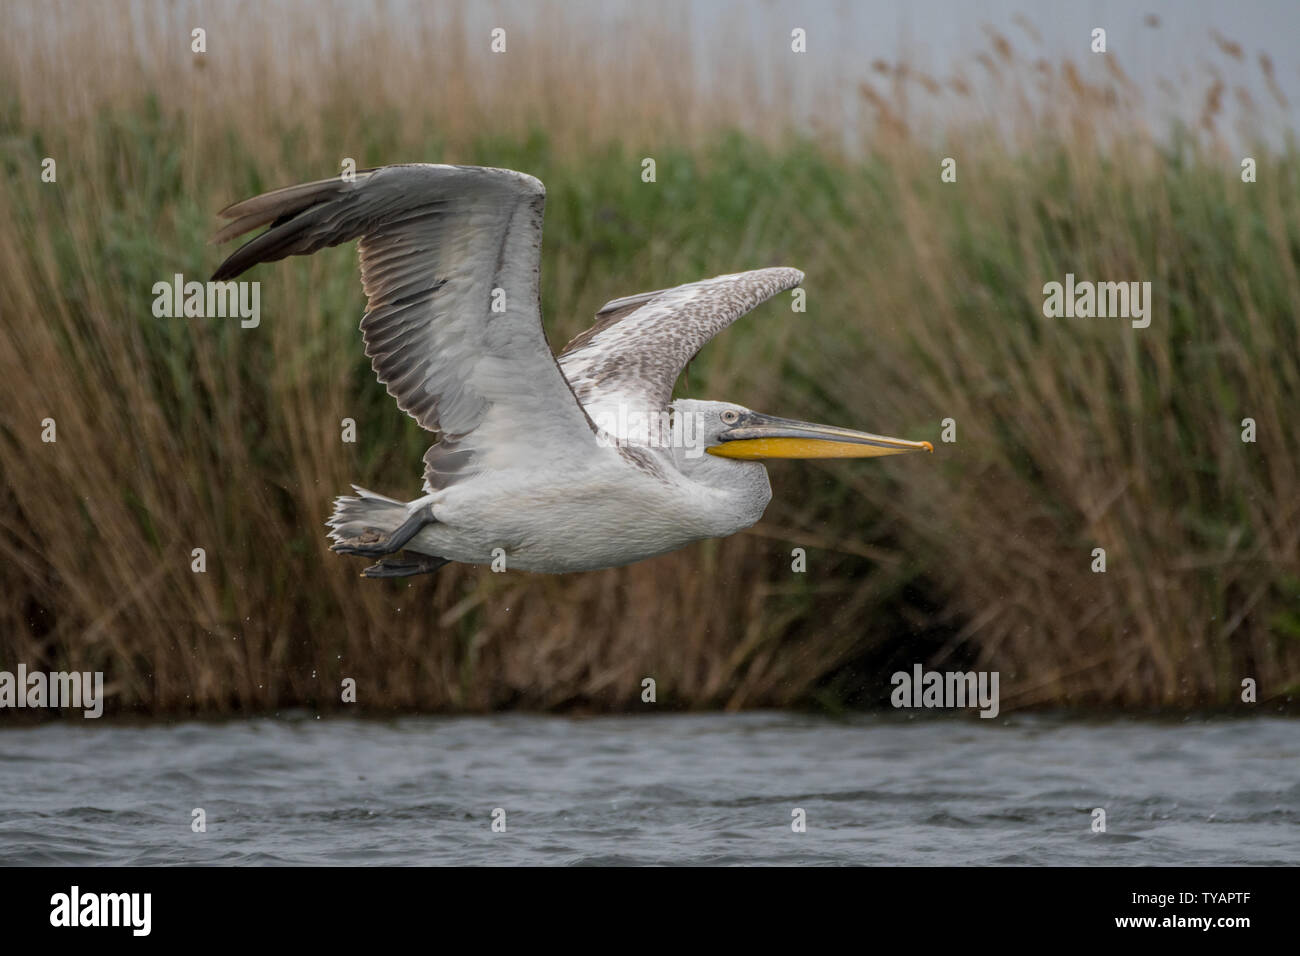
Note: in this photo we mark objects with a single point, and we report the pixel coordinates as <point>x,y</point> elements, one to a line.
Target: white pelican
<point>549,465</point>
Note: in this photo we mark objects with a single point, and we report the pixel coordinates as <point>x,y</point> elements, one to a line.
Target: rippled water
<point>715,789</point>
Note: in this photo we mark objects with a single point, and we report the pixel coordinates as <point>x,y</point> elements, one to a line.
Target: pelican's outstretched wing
<point>450,262</point>
<point>639,345</point>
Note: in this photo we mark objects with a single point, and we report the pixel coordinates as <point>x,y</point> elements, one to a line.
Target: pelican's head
<point>733,431</point>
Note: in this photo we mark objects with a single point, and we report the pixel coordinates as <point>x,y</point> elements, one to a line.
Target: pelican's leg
<point>405,567</point>
<point>375,544</point>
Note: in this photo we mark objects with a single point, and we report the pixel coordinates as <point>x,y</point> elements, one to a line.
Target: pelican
<point>541,464</point>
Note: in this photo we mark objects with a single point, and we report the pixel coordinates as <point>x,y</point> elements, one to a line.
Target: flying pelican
<point>554,465</point>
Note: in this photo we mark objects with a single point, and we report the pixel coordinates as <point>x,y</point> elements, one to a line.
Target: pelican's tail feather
<point>366,512</point>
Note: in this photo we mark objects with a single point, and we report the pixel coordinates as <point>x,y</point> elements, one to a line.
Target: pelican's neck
<point>740,489</point>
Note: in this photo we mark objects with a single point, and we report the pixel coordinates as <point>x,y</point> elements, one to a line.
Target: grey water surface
<point>671,789</point>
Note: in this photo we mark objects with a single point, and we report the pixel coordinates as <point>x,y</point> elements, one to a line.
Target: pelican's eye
<point>730,416</point>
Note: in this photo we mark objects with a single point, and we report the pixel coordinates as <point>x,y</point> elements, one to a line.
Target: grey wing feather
<point>640,343</point>
<point>450,263</point>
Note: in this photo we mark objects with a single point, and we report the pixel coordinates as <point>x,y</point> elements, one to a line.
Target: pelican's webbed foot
<point>405,567</point>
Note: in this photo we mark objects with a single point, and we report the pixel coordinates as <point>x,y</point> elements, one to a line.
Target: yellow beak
<point>756,437</point>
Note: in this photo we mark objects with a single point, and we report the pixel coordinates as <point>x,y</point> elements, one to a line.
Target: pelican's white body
<point>603,512</point>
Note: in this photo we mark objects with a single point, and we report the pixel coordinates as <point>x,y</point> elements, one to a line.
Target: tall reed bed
<point>924,304</point>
